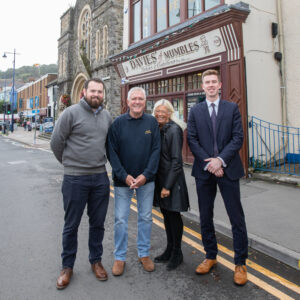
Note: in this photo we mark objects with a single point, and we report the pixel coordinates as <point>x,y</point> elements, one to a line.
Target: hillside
<point>27,73</point>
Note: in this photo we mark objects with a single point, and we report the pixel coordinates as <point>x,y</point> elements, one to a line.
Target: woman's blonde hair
<point>170,108</point>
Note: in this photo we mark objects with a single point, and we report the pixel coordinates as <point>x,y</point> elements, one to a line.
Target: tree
<point>25,72</point>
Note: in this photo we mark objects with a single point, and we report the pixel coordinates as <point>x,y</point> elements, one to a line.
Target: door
<point>191,100</point>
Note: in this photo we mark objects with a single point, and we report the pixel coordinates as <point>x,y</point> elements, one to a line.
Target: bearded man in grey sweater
<point>78,143</point>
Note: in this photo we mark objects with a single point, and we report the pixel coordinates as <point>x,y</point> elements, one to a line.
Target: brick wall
<point>33,90</point>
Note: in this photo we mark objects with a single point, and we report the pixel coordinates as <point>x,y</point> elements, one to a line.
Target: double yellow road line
<point>157,220</point>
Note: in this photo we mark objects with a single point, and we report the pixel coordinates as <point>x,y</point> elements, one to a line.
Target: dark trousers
<point>78,191</point>
<point>230,191</point>
<point>174,228</point>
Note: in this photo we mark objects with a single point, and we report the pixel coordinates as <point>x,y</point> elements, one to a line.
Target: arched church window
<point>97,46</point>
<point>85,32</point>
<point>64,67</point>
<point>105,42</point>
<point>60,64</point>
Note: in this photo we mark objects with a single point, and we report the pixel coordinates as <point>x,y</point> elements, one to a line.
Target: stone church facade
<point>91,31</point>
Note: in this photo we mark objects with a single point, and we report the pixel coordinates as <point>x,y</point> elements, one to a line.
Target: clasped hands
<point>215,166</point>
<point>164,193</point>
<point>135,183</point>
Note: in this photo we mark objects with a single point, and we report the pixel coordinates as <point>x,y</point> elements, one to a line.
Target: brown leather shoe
<point>147,263</point>
<point>99,271</point>
<point>64,278</point>
<point>205,266</point>
<point>240,275</point>
<point>118,267</point>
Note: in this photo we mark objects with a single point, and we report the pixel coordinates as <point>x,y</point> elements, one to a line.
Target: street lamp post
<point>55,94</point>
<point>13,86</point>
<point>4,108</point>
<point>4,103</point>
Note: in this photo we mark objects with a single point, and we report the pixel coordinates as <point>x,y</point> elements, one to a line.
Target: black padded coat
<point>170,173</point>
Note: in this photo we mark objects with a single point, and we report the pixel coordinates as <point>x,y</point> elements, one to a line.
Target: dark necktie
<point>214,122</point>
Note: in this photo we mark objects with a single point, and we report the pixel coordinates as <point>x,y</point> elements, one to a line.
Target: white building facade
<point>5,93</point>
<point>52,89</point>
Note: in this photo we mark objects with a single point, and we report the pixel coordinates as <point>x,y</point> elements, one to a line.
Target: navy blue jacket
<point>229,138</point>
<point>133,147</point>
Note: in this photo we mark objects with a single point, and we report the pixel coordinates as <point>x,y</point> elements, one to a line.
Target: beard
<point>94,102</point>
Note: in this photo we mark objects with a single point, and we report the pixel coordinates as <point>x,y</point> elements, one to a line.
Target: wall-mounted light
<point>274,30</point>
<point>278,56</point>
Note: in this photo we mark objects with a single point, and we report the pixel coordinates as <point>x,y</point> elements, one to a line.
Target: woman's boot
<point>175,260</point>
<point>165,256</point>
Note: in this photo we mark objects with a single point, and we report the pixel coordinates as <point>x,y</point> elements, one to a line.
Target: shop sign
<point>43,112</point>
<point>203,45</point>
<point>48,124</point>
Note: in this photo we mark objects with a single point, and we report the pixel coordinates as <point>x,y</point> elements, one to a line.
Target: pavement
<point>271,204</point>
<point>30,138</point>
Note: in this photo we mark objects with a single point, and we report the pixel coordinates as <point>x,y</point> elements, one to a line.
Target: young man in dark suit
<point>215,136</point>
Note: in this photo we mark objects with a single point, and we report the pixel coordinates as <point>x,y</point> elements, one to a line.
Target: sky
<point>32,27</point>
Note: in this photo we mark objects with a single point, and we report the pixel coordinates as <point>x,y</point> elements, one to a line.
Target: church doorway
<point>77,87</point>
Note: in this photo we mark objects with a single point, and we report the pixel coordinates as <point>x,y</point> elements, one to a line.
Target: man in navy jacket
<point>215,136</point>
<point>133,151</point>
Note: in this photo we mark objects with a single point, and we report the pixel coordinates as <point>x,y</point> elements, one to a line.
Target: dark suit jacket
<point>229,138</point>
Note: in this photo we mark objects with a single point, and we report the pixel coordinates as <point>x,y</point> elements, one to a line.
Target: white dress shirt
<point>210,110</point>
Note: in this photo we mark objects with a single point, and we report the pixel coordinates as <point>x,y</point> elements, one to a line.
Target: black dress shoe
<point>175,260</point>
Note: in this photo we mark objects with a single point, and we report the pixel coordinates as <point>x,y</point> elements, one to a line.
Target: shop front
<point>170,65</point>
<point>43,114</point>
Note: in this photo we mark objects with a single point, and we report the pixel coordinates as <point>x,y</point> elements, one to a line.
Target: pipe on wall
<point>282,66</point>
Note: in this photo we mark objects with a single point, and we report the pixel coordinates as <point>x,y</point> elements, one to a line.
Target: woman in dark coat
<point>171,193</point>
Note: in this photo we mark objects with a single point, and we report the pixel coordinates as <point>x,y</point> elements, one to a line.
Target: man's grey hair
<point>135,89</point>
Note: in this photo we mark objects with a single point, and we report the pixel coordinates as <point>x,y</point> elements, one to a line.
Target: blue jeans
<point>78,191</point>
<point>123,197</point>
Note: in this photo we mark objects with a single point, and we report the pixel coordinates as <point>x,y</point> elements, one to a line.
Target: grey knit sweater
<point>78,140</point>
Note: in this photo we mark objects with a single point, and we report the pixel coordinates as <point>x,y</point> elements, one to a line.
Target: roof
<point>52,83</point>
<point>34,82</point>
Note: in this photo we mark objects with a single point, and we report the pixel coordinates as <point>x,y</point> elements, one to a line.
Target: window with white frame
<point>151,16</point>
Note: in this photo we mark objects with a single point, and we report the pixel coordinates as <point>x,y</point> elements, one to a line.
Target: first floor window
<point>174,12</point>
<point>146,18</point>
<point>194,7</point>
<point>211,3</point>
<point>151,16</point>
<point>137,21</point>
<point>161,15</point>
